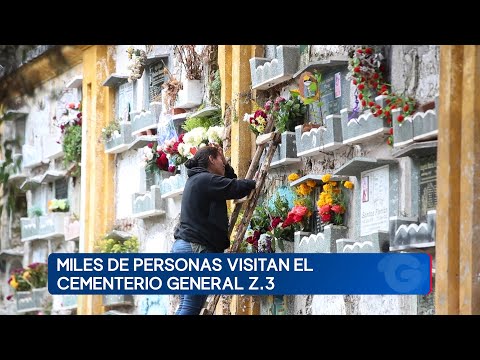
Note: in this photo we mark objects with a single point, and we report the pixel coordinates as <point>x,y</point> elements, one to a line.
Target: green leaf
<point>313,87</point>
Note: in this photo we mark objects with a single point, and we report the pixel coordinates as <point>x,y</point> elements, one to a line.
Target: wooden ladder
<point>258,173</point>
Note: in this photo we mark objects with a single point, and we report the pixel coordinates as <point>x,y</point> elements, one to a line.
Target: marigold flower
<point>326,178</point>
<point>293,177</point>
<point>311,183</point>
<point>348,185</point>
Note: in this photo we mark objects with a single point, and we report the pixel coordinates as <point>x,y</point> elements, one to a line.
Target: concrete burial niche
<point>266,73</point>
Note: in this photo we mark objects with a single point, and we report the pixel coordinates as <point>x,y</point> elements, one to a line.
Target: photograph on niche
<point>365,189</point>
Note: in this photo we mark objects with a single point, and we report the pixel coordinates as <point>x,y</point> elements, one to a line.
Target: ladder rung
<point>264,138</point>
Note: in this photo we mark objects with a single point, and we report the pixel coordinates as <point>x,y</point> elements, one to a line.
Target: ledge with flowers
<point>286,114</point>
<point>49,226</point>
<point>30,287</point>
<point>331,198</point>
<point>164,159</point>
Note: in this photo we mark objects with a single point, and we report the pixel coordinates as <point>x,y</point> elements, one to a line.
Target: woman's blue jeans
<point>190,304</point>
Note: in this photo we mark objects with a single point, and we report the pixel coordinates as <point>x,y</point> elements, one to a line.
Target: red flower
<point>360,96</point>
<point>356,69</point>
<point>326,217</point>
<point>368,51</point>
<point>275,221</point>
<point>400,118</point>
<point>162,161</point>
<point>354,82</point>
<point>371,103</point>
<point>172,168</point>
<point>338,209</point>
<point>364,103</point>
<point>361,87</point>
<point>150,145</point>
<point>405,108</point>
<point>325,209</point>
<point>375,76</point>
<point>180,137</point>
<point>390,131</point>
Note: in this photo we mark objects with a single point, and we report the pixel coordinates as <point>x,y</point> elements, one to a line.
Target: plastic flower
<point>348,185</point>
<point>293,177</point>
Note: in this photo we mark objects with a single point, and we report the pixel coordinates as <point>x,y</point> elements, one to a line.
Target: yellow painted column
<point>448,189</point>
<point>225,67</point>
<point>98,170</point>
<point>241,93</point>
<point>469,179</point>
<point>236,93</point>
<point>458,209</point>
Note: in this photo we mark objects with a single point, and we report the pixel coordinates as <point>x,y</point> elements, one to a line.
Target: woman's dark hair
<point>201,157</point>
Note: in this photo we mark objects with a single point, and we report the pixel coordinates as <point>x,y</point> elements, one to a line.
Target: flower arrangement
<point>111,131</point>
<point>155,159</point>
<point>278,222</point>
<point>171,88</point>
<point>33,276</point>
<point>287,113</point>
<point>332,202</point>
<point>366,72</point>
<point>171,148</point>
<point>200,137</point>
<point>58,205</point>
<point>70,125</point>
<point>115,245</point>
<point>138,60</point>
<point>257,121</point>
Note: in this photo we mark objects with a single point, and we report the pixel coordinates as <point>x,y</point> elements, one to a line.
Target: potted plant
<point>191,93</point>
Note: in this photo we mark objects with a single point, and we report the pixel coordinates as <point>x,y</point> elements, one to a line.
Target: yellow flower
<point>311,183</point>
<point>327,188</point>
<point>333,183</point>
<point>14,283</point>
<point>26,275</point>
<point>293,177</point>
<point>326,178</point>
<point>348,185</point>
<point>303,189</point>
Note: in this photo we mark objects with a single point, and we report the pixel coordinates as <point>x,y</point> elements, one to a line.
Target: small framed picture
<point>365,189</point>
<point>338,85</point>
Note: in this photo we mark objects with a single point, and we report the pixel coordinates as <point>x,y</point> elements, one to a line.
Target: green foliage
<point>215,89</point>
<point>291,113</point>
<point>7,168</point>
<point>35,211</point>
<point>72,147</point>
<point>108,130</point>
<point>205,121</point>
<point>109,245</point>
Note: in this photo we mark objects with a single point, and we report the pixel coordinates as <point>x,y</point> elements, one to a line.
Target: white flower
<point>247,117</point>
<point>215,134</point>
<point>150,156</point>
<point>147,150</point>
<point>143,164</point>
<point>116,134</point>
<point>184,149</point>
<point>159,147</point>
<point>202,145</point>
